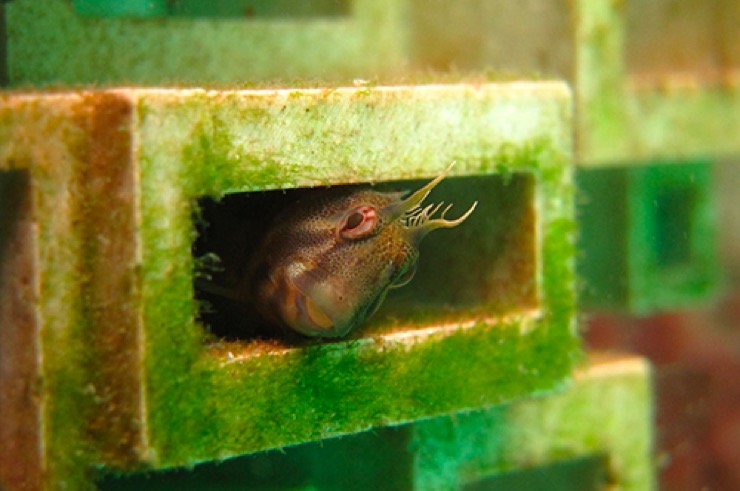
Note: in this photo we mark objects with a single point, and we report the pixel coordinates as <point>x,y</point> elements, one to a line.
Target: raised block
<point>727,182</point>
<point>240,9</point>
<point>656,80</point>
<point>606,415</point>
<point>652,79</point>
<point>51,42</point>
<point>648,237</point>
<point>133,379</point>
<point>597,434</point>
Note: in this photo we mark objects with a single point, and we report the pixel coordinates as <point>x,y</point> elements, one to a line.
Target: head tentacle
<point>421,218</point>
<point>397,210</point>
<point>418,218</point>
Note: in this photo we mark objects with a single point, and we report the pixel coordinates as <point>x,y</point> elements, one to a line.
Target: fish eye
<point>359,223</point>
<point>354,220</point>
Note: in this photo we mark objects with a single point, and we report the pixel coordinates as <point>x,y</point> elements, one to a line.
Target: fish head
<point>329,263</point>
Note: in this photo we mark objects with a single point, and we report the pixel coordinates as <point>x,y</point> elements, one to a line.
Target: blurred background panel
<point>656,87</point>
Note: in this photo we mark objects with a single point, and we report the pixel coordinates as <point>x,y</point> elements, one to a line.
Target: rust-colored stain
<point>20,460</point>
<point>101,198</point>
<point>106,211</point>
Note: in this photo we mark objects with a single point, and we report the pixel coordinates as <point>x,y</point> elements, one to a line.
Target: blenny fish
<point>327,265</point>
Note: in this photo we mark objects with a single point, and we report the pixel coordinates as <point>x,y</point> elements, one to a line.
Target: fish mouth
<point>420,219</point>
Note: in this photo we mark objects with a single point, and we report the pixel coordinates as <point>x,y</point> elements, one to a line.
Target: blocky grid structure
<point>103,315</point>
<point>556,442</point>
<point>100,193</point>
<point>648,237</point>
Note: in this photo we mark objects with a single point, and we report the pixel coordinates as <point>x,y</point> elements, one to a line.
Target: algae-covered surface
<point>648,237</point>
<point>631,115</point>
<point>208,399</point>
<point>137,380</point>
<point>192,50</point>
<point>56,141</point>
<point>596,434</point>
<point>672,243</point>
<point>606,413</point>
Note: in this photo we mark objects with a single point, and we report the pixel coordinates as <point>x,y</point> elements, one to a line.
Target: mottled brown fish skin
<point>327,264</point>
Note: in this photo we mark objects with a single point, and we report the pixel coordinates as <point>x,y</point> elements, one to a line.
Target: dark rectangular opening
<point>673,214</point>
<point>260,8</point>
<point>483,268</point>
<point>228,9</point>
<point>14,203</point>
<point>378,459</point>
<point>590,473</point>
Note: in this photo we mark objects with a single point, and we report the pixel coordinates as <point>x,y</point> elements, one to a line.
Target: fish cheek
<point>330,295</point>
<point>306,302</point>
<point>348,299</point>
<point>374,288</point>
<point>312,315</point>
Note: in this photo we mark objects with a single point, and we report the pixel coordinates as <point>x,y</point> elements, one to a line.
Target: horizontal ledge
<point>525,318</point>
<point>555,86</point>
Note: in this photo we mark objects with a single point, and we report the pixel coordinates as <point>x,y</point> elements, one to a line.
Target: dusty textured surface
<point>597,434</point>
<point>130,376</point>
<point>108,224</point>
<point>607,411</point>
<point>20,457</point>
<point>41,137</point>
<point>74,150</point>
<point>659,250</point>
<point>261,140</point>
<point>632,108</point>
<point>650,79</point>
<point>121,50</point>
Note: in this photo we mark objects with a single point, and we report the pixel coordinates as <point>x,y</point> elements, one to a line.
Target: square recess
<point>648,237</point>
<point>116,178</point>
<point>486,267</point>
